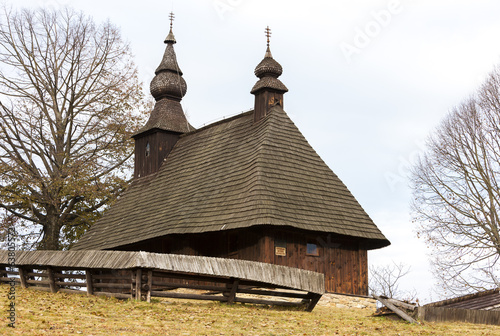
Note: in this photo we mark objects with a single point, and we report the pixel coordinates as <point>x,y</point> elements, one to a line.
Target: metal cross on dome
<point>171,19</point>
<point>268,34</point>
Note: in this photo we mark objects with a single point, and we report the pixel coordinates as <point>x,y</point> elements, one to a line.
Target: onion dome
<point>268,66</point>
<point>168,87</point>
<point>268,71</point>
<point>168,81</point>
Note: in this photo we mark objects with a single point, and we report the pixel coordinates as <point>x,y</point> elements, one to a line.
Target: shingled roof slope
<point>235,174</point>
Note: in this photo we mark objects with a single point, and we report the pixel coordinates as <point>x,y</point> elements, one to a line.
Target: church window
<point>312,249</point>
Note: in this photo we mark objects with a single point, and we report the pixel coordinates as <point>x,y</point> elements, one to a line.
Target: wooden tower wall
<point>160,144</point>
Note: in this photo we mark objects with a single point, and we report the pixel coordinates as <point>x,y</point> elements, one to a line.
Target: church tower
<point>167,121</point>
<point>269,89</point>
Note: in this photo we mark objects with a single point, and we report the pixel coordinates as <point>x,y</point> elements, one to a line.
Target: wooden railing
<point>143,283</point>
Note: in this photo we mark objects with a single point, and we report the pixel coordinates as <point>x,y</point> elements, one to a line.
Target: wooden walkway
<point>142,275</point>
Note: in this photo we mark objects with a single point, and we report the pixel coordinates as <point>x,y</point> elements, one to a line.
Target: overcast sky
<point>368,81</point>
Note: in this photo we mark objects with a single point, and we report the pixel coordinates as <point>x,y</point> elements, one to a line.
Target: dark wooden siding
<point>264,100</point>
<point>341,259</point>
<point>160,145</point>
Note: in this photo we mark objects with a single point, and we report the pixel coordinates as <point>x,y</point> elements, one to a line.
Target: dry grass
<point>41,313</point>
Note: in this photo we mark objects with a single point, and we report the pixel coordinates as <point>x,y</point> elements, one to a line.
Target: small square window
<point>312,249</point>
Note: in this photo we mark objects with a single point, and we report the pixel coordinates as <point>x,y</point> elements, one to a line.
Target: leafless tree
<point>69,98</point>
<point>384,280</point>
<point>457,195</point>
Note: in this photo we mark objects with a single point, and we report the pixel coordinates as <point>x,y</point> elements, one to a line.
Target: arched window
<point>147,149</point>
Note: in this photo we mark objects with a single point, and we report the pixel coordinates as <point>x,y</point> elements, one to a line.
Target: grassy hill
<point>42,313</point>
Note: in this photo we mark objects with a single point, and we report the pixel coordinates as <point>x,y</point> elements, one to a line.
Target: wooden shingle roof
<point>234,174</point>
<point>485,300</point>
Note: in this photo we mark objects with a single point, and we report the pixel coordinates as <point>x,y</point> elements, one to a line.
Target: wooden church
<point>249,187</point>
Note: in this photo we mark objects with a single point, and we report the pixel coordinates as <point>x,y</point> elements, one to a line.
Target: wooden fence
<point>443,314</point>
<point>141,276</point>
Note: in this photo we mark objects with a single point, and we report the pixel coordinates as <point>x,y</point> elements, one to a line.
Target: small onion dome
<point>268,71</point>
<point>170,37</point>
<point>268,67</point>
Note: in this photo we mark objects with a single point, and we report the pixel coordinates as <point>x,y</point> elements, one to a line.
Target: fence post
<point>150,285</point>
<point>421,313</point>
<point>22,277</point>
<point>138,284</point>
<point>88,279</point>
<point>232,293</point>
<point>313,301</point>
<point>52,283</point>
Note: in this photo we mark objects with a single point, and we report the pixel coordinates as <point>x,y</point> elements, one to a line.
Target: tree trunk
<point>52,229</point>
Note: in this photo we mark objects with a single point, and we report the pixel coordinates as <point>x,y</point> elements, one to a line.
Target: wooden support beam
<point>395,309</point>
<point>31,274</point>
<point>132,285</point>
<point>6,279</point>
<point>138,284</point>
<point>11,273</point>
<point>269,302</point>
<point>313,301</point>
<point>275,293</point>
<point>89,281</point>
<point>38,282</point>
<point>70,283</point>
<point>232,293</point>
<point>149,285</point>
<point>52,284</point>
<point>188,296</point>
<point>110,277</point>
<point>171,285</point>
<point>69,276</point>
<point>195,277</point>
<point>401,304</point>
<point>22,277</point>
<point>113,285</point>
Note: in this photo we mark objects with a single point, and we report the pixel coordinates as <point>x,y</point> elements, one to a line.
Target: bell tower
<point>269,89</point>
<point>167,121</point>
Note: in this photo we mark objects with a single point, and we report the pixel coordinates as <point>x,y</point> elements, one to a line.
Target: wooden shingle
<point>235,174</point>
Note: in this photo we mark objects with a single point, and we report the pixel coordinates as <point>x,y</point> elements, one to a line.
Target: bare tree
<point>384,280</point>
<point>457,195</point>
<point>69,98</point>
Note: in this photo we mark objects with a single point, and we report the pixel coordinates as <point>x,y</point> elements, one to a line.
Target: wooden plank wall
<point>441,314</point>
<point>342,260</point>
<point>160,144</point>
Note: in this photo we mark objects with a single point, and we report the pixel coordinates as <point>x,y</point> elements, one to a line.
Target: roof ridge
<point>216,123</point>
